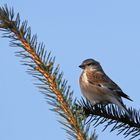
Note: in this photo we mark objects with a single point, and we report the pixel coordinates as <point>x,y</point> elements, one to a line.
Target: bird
<point>98,88</point>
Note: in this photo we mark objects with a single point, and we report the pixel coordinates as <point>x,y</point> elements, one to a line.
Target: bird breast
<point>93,93</point>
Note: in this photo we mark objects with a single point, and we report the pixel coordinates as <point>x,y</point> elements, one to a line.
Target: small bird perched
<point>98,88</point>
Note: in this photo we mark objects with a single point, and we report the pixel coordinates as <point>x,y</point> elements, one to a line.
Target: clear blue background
<point>106,30</point>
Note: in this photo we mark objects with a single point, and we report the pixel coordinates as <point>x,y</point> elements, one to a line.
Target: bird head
<point>90,63</point>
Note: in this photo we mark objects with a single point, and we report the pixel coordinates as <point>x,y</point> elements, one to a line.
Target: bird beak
<point>81,66</point>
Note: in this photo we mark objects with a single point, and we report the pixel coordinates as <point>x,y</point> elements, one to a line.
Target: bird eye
<point>89,64</point>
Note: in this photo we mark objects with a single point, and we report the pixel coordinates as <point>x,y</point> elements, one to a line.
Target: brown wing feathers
<point>98,78</point>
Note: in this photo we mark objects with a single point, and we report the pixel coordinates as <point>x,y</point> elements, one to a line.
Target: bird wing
<point>102,80</point>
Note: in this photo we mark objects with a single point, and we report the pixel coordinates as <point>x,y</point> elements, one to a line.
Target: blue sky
<point>108,31</point>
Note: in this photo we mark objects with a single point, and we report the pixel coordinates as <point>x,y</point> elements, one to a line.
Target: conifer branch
<point>112,116</point>
<point>41,66</point>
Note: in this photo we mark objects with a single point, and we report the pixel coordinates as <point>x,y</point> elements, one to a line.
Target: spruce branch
<point>112,116</point>
<point>41,65</point>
